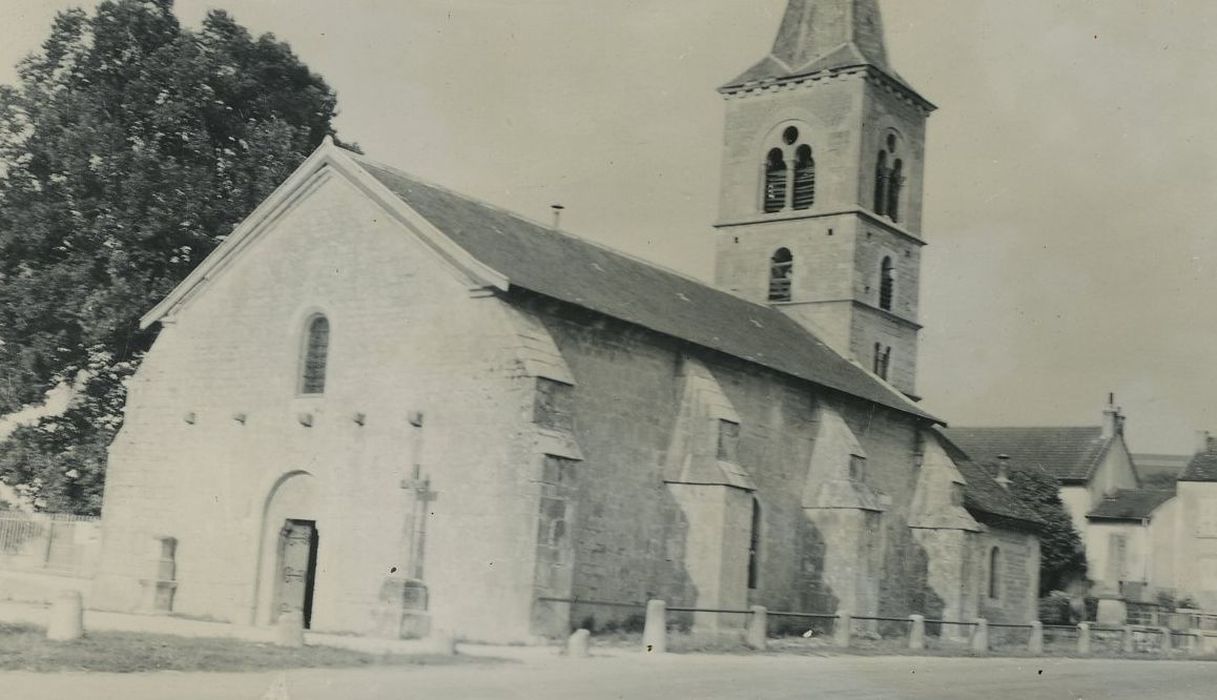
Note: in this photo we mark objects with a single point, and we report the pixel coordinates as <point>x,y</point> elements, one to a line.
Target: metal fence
<point>53,543</point>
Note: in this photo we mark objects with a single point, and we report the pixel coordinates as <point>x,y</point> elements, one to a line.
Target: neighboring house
<point>379,400</point>
<point>1125,549</point>
<point>1185,532</point>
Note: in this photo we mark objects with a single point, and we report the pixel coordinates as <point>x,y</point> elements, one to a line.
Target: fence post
<point>1036,645</point>
<point>1127,640</point>
<point>917,632</point>
<point>757,634</point>
<point>1166,640</point>
<point>1084,638</point>
<point>1197,646</point>
<point>842,630</point>
<point>655,630</point>
<point>577,644</point>
<point>67,618</point>
<point>980,637</point>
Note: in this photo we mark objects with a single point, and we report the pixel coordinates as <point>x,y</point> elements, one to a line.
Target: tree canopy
<point>130,146</point>
<point>1062,554</point>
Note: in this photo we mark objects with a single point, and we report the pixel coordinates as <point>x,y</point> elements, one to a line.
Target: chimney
<point>557,216</point>
<point>1113,421</point>
<point>1203,441</point>
<point>1003,471</point>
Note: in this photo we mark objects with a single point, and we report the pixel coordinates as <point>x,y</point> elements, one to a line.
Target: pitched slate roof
<point>1130,504</point>
<point>1203,466</point>
<point>591,276</point>
<point>983,494</point>
<point>1069,454</point>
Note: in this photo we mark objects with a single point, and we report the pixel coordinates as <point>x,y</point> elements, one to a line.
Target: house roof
<point>1151,465</point>
<point>1130,504</point>
<point>1069,454</point>
<point>563,267</point>
<point>983,495</point>
<point>1203,466</point>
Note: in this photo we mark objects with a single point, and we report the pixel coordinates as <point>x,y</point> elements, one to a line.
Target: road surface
<point>673,677</point>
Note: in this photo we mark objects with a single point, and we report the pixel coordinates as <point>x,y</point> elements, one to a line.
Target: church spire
<point>819,35</point>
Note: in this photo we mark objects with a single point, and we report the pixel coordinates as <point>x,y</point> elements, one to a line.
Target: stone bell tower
<point>820,210</point>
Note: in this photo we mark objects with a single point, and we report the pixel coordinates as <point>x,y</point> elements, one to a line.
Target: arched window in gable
<point>881,184</point>
<point>887,284</point>
<point>804,178</point>
<point>754,546</point>
<point>781,267</point>
<point>775,181</point>
<point>894,183</point>
<point>994,573</point>
<point>316,355</point>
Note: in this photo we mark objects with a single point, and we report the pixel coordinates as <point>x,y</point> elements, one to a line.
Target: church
<point>392,408</point>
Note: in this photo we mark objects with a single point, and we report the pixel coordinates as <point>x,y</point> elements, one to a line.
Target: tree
<point>1062,555</point>
<point>129,148</point>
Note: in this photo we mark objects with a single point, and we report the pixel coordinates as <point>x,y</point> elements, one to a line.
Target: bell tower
<point>820,209</point>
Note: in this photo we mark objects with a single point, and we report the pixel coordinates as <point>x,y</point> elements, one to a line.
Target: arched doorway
<point>287,567</point>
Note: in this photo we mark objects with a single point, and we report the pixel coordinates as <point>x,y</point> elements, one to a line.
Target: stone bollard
<point>843,629</point>
<point>577,645</point>
<point>1036,644</point>
<point>917,632</point>
<point>67,618</point>
<point>980,637</point>
<point>289,630</point>
<point>442,643</point>
<point>655,630</point>
<point>1197,645</point>
<point>1126,640</point>
<point>1084,638</point>
<point>756,636</point>
<point>1166,640</point>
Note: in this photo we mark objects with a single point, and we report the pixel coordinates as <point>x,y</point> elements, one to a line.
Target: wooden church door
<point>297,569</point>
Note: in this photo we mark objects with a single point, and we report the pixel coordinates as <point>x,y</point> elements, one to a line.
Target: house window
<point>316,353</point>
<point>775,181</point>
<point>1117,557</point>
<point>754,546</point>
<point>887,284</point>
<point>781,265</point>
<point>728,442</point>
<point>804,178</point>
<point>994,573</point>
<point>789,174</point>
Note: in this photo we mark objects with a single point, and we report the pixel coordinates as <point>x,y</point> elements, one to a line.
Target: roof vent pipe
<point>1003,471</point>
<point>557,208</point>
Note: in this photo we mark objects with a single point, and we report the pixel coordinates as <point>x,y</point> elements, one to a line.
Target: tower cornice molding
<point>872,74</point>
<point>865,214</point>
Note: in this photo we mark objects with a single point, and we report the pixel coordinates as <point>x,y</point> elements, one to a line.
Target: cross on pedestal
<point>423,496</point>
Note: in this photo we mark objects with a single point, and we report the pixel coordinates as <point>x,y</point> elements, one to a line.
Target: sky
<point>1070,166</point>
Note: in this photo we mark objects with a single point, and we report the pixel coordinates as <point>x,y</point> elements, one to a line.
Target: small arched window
<point>754,546</point>
<point>994,573</point>
<point>883,360</point>
<point>894,182</point>
<point>775,181</point>
<point>781,265</point>
<point>316,353</point>
<point>887,284</point>
<point>804,178</point>
<point>881,184</point>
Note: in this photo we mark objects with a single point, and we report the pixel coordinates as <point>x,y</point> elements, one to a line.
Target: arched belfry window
<point>889,179</point>
<point>790,173</point>
<point>894,183</point>
<point>781,267</point>
<point>881,184</point>
<point>887,284</point>
<point>804,178</point>
<point>316,354</point>
<point>754,546</point>
<point>994,573</point>
<point>775,181</point>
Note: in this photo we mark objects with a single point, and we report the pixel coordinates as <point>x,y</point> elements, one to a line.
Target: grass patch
<point>25,648</point>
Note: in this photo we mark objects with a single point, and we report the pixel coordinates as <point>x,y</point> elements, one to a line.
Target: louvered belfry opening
<point>887,284</point>
<point>781,265</point>
<point>775,182</point>
<point>804,178</point>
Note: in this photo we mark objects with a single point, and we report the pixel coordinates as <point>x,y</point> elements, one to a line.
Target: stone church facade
<point>393,408</point>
